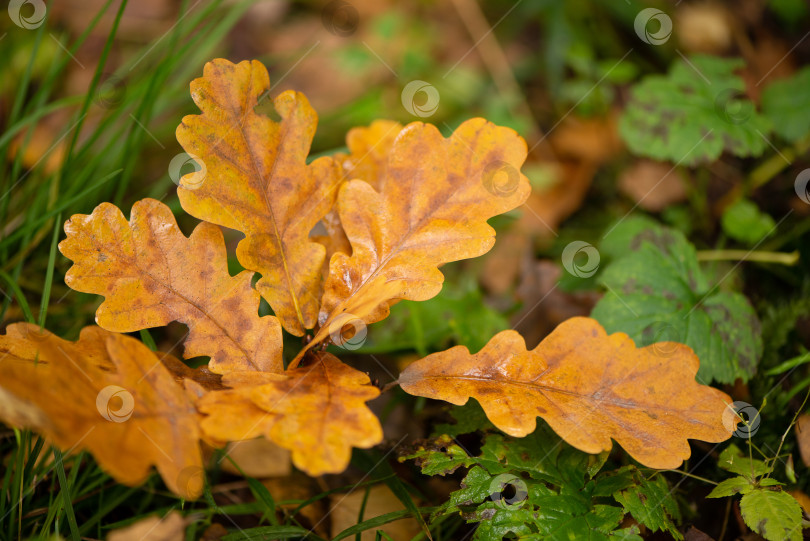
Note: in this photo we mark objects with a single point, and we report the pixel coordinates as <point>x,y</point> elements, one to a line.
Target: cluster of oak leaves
<point>401,203</point>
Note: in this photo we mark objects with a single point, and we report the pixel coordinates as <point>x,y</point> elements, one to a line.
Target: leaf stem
<point>781,258</point>
<point>693,476</point>
<point>774,165</point>
<point>793,422</point>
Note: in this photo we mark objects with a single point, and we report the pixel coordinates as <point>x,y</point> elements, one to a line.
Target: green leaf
<point>734,460</point>
<point>787,104</point>
<point>773,514</point>
<point>769,482</point>
<point>440,456</point>
<point>263,495</point>
<point>658,293</point>
<point>743,221</point>
<point>379,521</point>
<point>651,504</point>
<point>693,114</point>
<point>730,487</point>
<point>538,484</point>
<point>469,418</point>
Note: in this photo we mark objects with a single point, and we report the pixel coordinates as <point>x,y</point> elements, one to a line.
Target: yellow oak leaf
<point>368,156</point>
<point>254,178</point>
<point>588,386</point>
<point>151,274</point>
<point>316,411</point>
<point>107,393</point>
<point>369,149</point>
<point>432,207</point>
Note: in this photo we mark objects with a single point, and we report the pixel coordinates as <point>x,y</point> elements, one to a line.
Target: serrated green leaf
<point>743,221</point>
<point>439,456</point>
<point>734,460</point>
<point>693,114</point>
<point>547,495</point>
<point>787,104</point>
<point>657,293</point>
<point>610,483</point>
<point>730,487</point>
<point>651,504</point>
<point>536,455</point>
<point>773,514</point>
<point>769,482</point>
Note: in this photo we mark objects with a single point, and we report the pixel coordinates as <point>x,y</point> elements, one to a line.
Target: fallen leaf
<point>151,274</point>
<point>587,139</point>
<point>299,487</point>
<point>183,373</point>
<point>169,528</point>
<point>588,386</point>
<point>257,458</point>
<point>704,27</point>
<point>542,214</point>
<point>316,411</point>
<point>109,394</point>
<point>693,534</point>
<point>432,207</point>
<point>345,510</point>
<point>254,178</point>
<point>545,305</point>
<point>369,148</point>
<point>653,185</point>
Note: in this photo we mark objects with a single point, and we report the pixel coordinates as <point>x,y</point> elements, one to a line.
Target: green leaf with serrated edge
<point>773,514</point>
<point>495,523</point>
<point>787,104</point>
<point>693,114</point>
<point>610,483</point>
<point>768,482</point>
<point>730,487</point>
<point>651,504</point>
<point>439,456</point>
<point>743,221</point>
<point>552,477</point>
<point>657,292</point>
<point>734,460</point>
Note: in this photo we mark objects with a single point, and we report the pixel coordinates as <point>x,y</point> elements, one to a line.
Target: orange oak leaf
<point>369,149</point>
<point>151,274</point>
<point>432,207</point>
<point>254,178</point>
<point>588,386</point>
<point>316,411</point>
<point>106,393</point>
<point>368,156</point>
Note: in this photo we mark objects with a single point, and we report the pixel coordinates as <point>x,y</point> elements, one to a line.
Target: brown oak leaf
<point>317,411</point>
<point>151,274</point>
<point>254,178</point>
<point>369,149</point>
<point>107,393</point>
<point>432,207</point>
<point>588,386</point>
<point>367,159</point>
